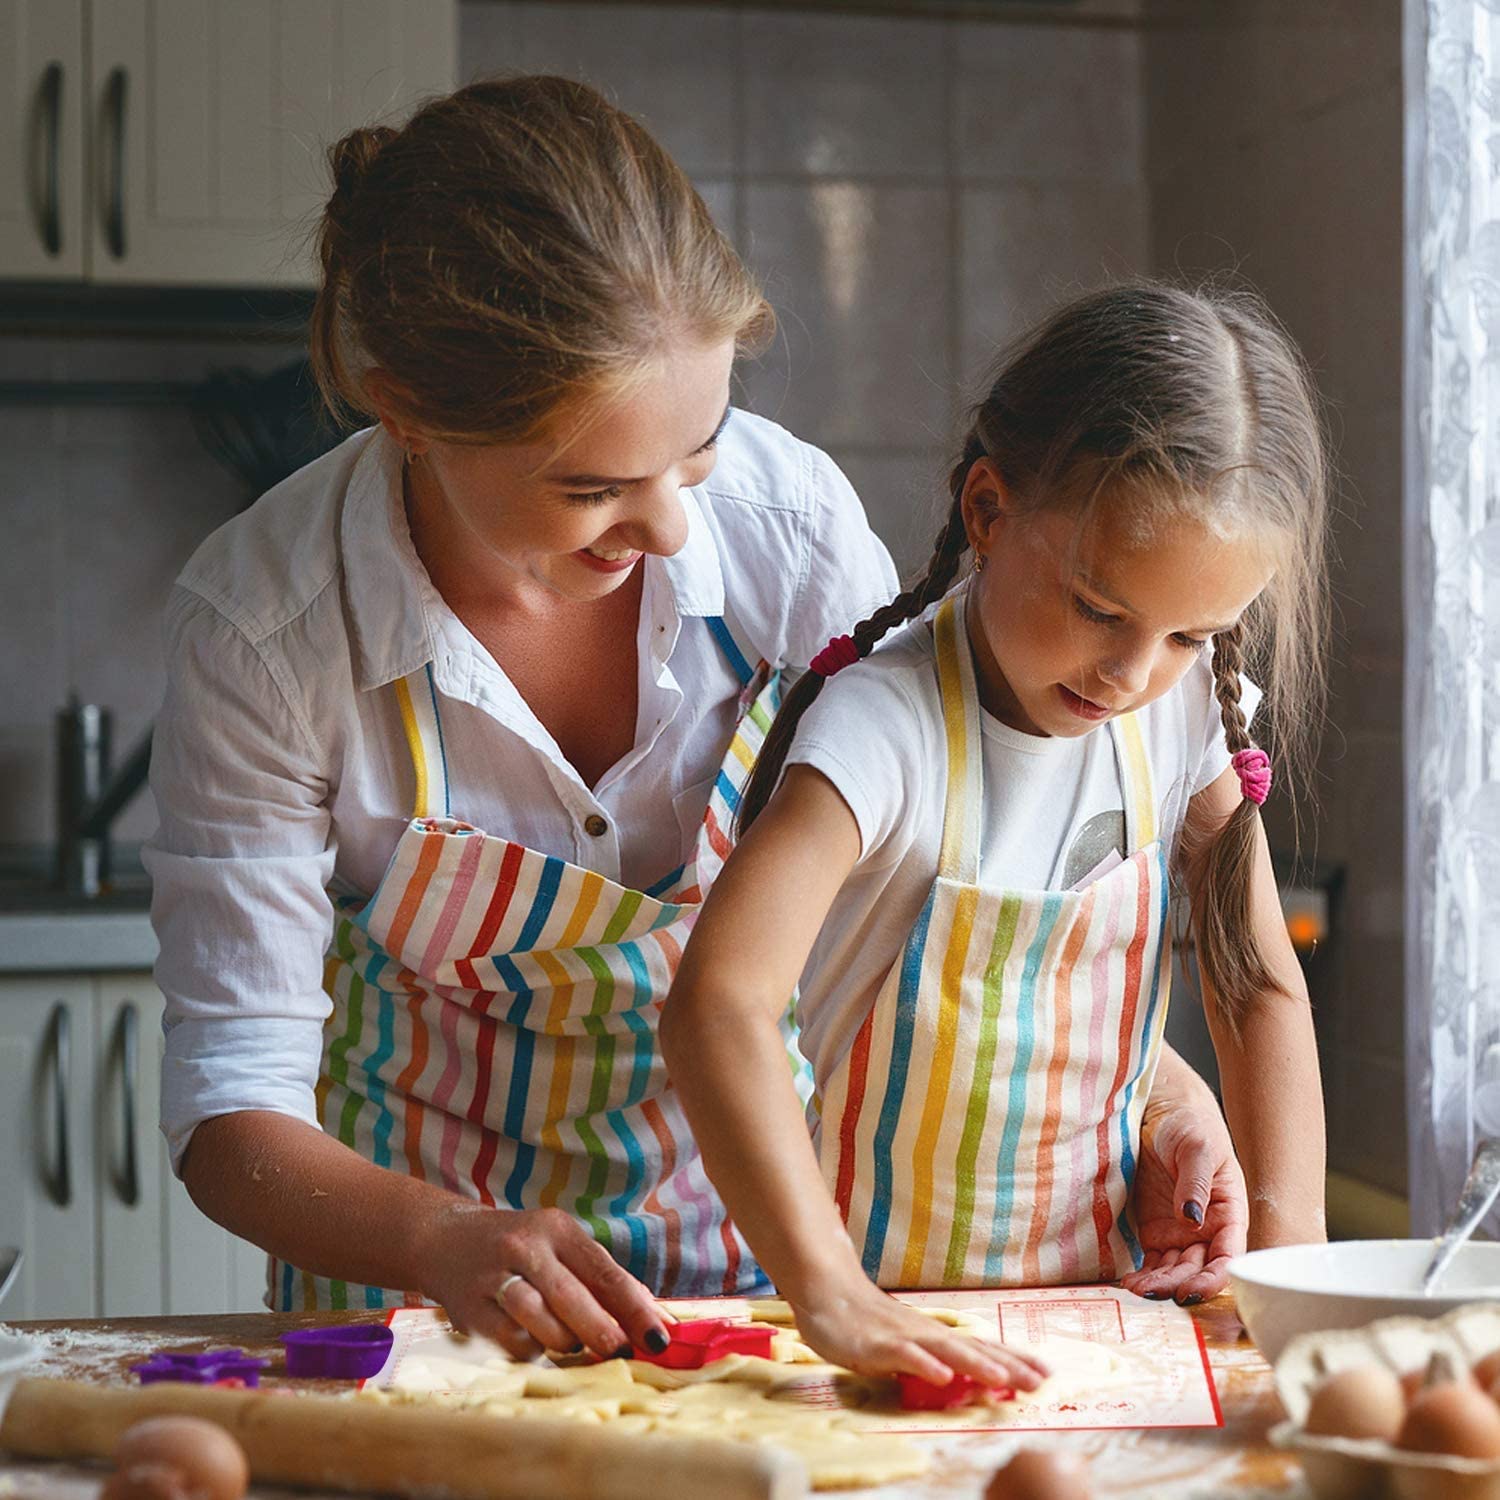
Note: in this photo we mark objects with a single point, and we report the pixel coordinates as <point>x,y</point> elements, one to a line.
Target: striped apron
<point>494,1027</point>
<point>983,1128</point>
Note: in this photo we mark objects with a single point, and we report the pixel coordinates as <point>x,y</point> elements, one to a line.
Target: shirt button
<point>595,826</point>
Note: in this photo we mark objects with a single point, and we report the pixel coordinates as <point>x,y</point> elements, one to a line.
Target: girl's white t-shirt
<point>1053,809</point>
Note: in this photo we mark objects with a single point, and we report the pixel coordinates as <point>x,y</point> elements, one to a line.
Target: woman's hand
<point>572,1294</point>
<point>1189,1200</point>
<point>862,1329</point>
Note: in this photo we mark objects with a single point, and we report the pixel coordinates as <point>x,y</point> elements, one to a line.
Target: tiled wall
<point>909,190</point>
<point>1274,146</point>
<point>100,506</point>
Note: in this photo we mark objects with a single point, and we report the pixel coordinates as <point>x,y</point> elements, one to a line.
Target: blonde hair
<point>518,244</point>
<point>1173,402</point>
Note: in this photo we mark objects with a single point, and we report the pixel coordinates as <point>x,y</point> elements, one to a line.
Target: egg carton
<point>1364,1469</point>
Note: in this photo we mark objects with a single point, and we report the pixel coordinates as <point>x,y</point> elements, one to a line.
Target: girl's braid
<point>941,569</point>
<point>1228,661</point>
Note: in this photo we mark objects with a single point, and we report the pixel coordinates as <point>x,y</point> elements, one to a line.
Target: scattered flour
<point>102,1354</point>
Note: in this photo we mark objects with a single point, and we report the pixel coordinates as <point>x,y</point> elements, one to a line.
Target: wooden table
<point>1233,1461</point>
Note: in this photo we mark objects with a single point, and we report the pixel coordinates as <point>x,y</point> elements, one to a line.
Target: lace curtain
<point>1452,560</point>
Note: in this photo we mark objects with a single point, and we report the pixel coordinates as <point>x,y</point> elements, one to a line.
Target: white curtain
<point>1452,562</point>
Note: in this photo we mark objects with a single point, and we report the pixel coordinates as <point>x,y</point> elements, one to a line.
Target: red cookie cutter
<point>922,1395</point>
<point>700,1341</point>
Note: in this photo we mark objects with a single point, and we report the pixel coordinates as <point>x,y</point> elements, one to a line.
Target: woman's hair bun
<point>353,156</point>
<point>515,245</point>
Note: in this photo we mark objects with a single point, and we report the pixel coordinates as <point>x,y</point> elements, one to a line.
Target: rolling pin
<point>365,1447</point>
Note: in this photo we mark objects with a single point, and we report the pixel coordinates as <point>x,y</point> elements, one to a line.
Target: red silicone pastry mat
<point>1118,1361</point>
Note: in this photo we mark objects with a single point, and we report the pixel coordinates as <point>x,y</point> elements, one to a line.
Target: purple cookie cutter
<point>201,1369</point>
<point>349,1352</point>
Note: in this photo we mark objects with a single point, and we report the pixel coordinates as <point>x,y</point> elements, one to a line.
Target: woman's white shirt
<point>1053,809</point>
<point>280,768</point>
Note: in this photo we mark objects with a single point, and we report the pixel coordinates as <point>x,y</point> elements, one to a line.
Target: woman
<point>534,596</point>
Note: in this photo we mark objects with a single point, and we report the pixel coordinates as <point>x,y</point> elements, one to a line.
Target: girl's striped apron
<point>983,1128</point>
<point>494,1027</point>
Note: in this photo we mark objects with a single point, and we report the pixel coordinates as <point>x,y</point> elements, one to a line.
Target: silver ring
<point>506,1285</point>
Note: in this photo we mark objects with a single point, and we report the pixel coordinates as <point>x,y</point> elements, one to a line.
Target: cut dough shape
<point>772,1310</point>
<point>741,1398</point>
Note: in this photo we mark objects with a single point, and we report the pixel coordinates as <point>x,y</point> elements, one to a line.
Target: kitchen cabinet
<point>48,1202</point>
<point>41,138</point>
<point>86,1188</point>
<point>203,127</point>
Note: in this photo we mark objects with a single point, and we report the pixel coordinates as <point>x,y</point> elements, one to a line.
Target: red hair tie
<point>839,653</point>
<point>1253,767</point>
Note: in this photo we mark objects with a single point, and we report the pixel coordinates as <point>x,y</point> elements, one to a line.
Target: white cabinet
<point>207,124</point>
<point>85,1185</point>
<point>47,1188</point>
<point>42,91</point>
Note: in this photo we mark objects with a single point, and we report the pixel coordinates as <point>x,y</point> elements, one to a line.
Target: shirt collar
<point>694,572</point>
<point>387,588</point>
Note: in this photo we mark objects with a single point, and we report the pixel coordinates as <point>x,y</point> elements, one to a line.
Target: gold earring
<point>979,562</point>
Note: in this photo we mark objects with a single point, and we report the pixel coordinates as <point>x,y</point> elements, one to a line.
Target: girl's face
<point>1072,628</point>
<point>577,521</point>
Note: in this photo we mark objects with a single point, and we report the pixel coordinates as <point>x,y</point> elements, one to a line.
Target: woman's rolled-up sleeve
<point>239,870</point>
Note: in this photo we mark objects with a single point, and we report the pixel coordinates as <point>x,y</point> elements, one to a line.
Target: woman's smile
<point>609,559</point>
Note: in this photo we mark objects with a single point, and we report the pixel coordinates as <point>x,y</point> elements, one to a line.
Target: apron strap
<point>1136,781</point>
<point>964,805</point>
<point>724,637</point>
<point>417,696</point>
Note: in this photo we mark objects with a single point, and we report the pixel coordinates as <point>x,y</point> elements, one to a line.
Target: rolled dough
<point>741,1398</point>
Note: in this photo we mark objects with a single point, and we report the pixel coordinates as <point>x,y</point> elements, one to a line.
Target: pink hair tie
<point>839,653</point>
<point>1253,767</point>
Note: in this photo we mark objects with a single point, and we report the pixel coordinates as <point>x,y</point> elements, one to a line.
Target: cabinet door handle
<point>52,82</point>
<point>114,106</point>
<point>128,1031</point>
<point>59,1054</point>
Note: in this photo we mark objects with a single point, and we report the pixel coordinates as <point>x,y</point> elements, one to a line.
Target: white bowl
<point>16,1352</point>
<point>1306,1288</point>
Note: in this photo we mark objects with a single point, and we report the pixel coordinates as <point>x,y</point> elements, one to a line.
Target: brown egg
<point>177,1458</point>
<point>1455,1418</point>
<point>1487,1371</point>
<point>1442,1368</point>
<point>1365,1402</point>
<point>1037,1474</point>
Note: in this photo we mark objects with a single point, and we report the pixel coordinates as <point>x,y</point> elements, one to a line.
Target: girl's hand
<point>864,1330</point>
<point>573,1293</point>
<point>1187,1166</point>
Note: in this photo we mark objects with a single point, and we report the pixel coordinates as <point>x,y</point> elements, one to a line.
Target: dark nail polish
<point>1191,1300</point>
<point>623,1352</point>
<point>577,1348</point>
<point>1154,1296</point>
<point>1192,1211</point>
<point>655,1341</point>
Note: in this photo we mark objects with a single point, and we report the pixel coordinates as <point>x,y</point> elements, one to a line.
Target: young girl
<point>964,846</point>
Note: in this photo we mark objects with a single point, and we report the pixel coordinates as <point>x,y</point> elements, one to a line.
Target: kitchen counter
<point>1188,1464</point>
<point>83,940</point>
